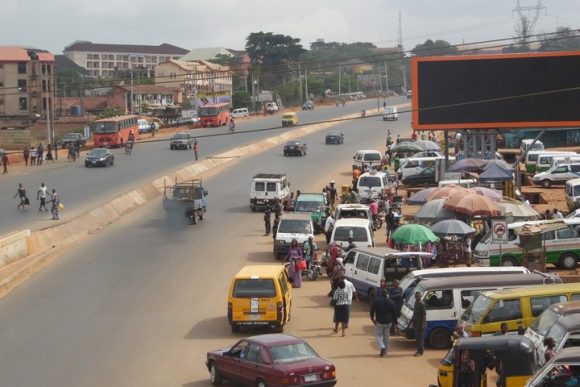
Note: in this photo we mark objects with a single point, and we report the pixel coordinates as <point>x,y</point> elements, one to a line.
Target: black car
<point>426,176</point>
<point>73,138</point>
<point>181,140</point>
<point>335,138</point>
<point>99,157</point>
<point>297,148</point>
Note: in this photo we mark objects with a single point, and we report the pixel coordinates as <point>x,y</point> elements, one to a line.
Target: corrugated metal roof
<point>20,54</point>
<point>205,53</point>
<point>162,49</point>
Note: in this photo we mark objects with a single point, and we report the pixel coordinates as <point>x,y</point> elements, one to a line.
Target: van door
<point>349,267</point>
<point>374,273</point>
<point>360,273</point>
<point>508,311</point>
<point>441,317</point>
<point>286,295</point>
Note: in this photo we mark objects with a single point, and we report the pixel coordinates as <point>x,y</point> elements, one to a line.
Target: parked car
<point>559,174</point>
<point>144,126</point>
<point>295,147</point>
<point>271,107</point>
<point>308,105</point>
<point>334,138</point>
<point>270,360</point>
<point>99,157</point>
<point>426,176</point>
<point>72,138</point>
<point>240,112</point>
<point>181,140</point>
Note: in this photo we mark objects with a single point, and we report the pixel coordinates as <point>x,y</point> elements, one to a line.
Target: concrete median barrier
<point>44,245</point>
<point>13,247</point>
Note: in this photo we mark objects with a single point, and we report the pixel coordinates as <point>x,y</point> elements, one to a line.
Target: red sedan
<point>270,360</point>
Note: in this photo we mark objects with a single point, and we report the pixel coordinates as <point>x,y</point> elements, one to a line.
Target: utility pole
<point>300,81</point>
<point>404,79</point>
<point>526,25</point>
<point>387,78</point>
<point>306,83</point>
<point>339,78</point>
<point>400,34</point>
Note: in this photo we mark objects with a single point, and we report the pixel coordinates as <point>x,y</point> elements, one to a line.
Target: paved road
<point>141,302</point>
<point>80,188</point>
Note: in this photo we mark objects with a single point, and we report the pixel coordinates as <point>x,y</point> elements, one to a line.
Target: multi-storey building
<point>200,81</point>
<point>26,86</point>
<point>109,60</point>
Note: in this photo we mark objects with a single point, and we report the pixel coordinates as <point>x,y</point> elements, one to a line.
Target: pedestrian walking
<point>77,147</point>
<point>328,226</point>
<point>294,255</point>
<point>41,195</point>
<point>21,193</point>
<point>5,163</point>
<point>49,153</point>
<point>55,146</point>
<point>351,292</point>
<point>195,148</point>
<point>32,156</point>
<point>275,226</point>
<point>396,295</point>
<point>418,321</point>
<point>383,316</point>
<point>71,153</point>
<point>55,199</point>
<point>40,154</point>
<point>26,155</point>
<point>338,272</point>
<point>340,303</point>
<point>267,219</point>
<point>332,194</point>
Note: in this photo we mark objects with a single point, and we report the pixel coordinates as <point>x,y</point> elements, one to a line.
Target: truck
<point>187,199</point>
<point>72,138</point>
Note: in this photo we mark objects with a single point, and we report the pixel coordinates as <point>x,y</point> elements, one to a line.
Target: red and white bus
<point>214,114</point>
<point>114,131</point>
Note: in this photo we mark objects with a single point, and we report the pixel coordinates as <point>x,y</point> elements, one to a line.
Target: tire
<point>200,214</point>
<point>313,275</point>
<point>568,261</point>
<point>546,183</point>
<point>112,162</point>
<point>261,383</point>
<point>279,257</point>
<point>214,375</point>
<point>87,165</point>
<point>440,338</point>
<point>279,328</point>
<point>509,261</point>
<point>235,328</point>
<point>194,218</point>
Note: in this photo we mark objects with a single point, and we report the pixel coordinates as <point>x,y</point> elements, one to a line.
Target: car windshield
<point>359,214</point>
<point>576,191</point>
<point>71,135</point>
<point>308,206</point>
<point>291,353</point>
<point>343,233</point>
<point>293,143</point>
<point>294,226</point>
<point>369,181</point>
<point>254,288</point>
<point>208,111</point>
<point>180,136</point>
<point>288,116</point>
<point>544,322</point>
<point>477,309</point>
<point>333,134</point>
<point>411,300</point>
<point>106,127</point>
<point>557,332</point>
<point>372,157</point>
<point>98,152</point>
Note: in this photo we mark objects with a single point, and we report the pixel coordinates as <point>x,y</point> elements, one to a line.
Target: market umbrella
<point>421,196</point>
<point>406,147</point>
<point>427,145</point>
<point>448,192</point>
<point>412,234</point>
<point>487,192</point>
<point>472,204</point>
<point>495,172</point>
<point>451,227</point>
<point>498,163</point>
<point>433,211</point>
<point>468,165</point>
<point>519,210</point>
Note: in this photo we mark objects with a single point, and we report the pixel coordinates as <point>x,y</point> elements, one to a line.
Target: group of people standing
<point>43,196</point>
<point>36,155</point>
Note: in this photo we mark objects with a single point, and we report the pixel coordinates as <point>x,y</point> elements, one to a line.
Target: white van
<point>572,193</point>
<point>292,226</point>
<point>390,113</point>
<point>447,298</point>
<point>144,126</point>
<point>545,159</point>
<point>372,185</point>
<point>358,229</point>
<point>241,112</point>
<point>558,174</point>
<point>410,281</point>
<point>414,165</point>
<point>562,246</point>
<point>526,142</point>
<point>531,159</point>
<point>353,210</point>
<point>369,159</point>
<point>557,160</point>
<point>266,188</point>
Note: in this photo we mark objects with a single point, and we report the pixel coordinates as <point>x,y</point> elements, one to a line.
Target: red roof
<point>19,54</point>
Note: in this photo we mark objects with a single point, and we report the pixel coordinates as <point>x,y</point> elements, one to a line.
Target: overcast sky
<point>191,24</point>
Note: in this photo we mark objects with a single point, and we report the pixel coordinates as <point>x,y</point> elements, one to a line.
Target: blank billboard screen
<point>497,91</point>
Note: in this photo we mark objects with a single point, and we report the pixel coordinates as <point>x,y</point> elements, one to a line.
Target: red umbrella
<point>448,192</point>
<point>472,204</point>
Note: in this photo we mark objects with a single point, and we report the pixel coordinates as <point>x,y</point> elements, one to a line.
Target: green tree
<point>242,99</point>
<point>226,60</point>
<point>109,112</point>
<point>564,39</point>
<point>429,48</point>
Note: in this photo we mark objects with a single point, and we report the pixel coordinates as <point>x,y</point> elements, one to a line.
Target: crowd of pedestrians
<point>43,196</point>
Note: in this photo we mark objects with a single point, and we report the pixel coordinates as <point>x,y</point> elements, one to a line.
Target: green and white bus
<point>562,246</point>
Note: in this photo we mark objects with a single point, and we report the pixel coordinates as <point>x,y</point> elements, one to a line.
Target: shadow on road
<point>211,328</point>
<point>262,257</point>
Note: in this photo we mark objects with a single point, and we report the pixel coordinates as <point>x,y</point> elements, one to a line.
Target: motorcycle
<point>312,271</point>
<point>363,113</point>
<point>232,126</point>
<point>128,148</point>
<point>378,220</point>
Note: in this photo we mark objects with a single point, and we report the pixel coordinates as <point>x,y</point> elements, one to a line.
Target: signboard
<point>499,230</point>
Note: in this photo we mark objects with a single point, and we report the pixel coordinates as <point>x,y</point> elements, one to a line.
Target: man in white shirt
<point>328,226</point>
<point>351,292</point>
<point>41,195</point>
<point>558,214</point>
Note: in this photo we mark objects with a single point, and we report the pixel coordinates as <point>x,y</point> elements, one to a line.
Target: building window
<point>44,85</point>
<point>23,103</point>
<point>96,65</point>
<point>22,85</point>
<point>21,67</point>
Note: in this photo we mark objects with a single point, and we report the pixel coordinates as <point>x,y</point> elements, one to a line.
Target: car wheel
<point>214,375</point>
<point>235,328</point>
<point>112,162</point>
<point>285,154</point>
<point>567,261</point>
<point>546,183</point>
<point>440,338</point>
<point>261,383</point>
<point>509,261</point>
<point>87,165</point>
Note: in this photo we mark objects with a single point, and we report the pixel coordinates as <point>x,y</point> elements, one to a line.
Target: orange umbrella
<point>448,192</point>
<point>472,204</point>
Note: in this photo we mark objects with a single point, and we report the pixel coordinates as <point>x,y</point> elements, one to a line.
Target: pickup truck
<point>72,138</point>
<point>186,199</point>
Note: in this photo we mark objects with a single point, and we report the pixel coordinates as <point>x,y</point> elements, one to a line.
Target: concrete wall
<point>13,247</point>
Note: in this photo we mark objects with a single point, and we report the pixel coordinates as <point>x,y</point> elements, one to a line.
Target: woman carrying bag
<point>295,258</point>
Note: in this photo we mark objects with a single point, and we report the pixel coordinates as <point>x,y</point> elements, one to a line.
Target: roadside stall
<point>532,241</point>
<point>454,235</point>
